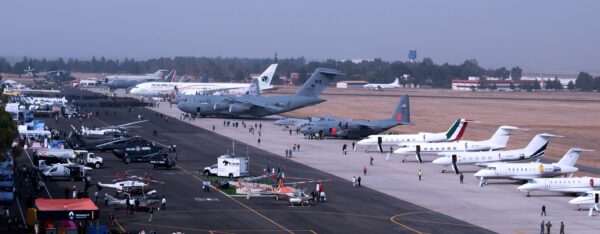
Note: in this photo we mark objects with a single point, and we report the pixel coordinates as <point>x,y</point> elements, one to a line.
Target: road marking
<point>240,203</point>
<point>38,174</point>
<point>21,211</point>
<point>404,226</point>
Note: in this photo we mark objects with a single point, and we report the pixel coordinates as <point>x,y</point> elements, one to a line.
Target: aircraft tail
<point>318,81</point>
<point>254,88</point>
<point>456,131</point>
<point>158,73</point>
<point>570,158</point>
<point>402,112</point>
<point>266,77</point>
<point>537,145</point>
<point>501,136</point>
<point>396,82</point>
<point>171,76</point>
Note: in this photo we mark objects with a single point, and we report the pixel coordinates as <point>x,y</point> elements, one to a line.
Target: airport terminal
<point>245,143</point>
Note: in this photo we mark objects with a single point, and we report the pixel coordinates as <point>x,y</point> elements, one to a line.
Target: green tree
<point>8,128</point>
<point>584,82</point>
<point>516,73</point>
<point>571,86</point>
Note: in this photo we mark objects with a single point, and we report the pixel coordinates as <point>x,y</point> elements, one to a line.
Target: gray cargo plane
<point>127,81</point>
<point>347,128</point>
<point>249,106</point>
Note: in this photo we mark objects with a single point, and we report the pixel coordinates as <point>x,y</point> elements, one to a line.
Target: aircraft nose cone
<point>442,161</point>
<point>481,173</point>
<point>525,187</point>
<point>574,201</point>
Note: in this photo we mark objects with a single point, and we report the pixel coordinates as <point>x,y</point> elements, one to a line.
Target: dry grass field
<point>434,111</point>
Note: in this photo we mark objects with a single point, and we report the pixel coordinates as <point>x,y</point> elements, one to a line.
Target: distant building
<point>351,84</point>
<point>475,84</point>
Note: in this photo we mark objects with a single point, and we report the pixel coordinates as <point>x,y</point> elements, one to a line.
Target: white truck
<point>228,166</point>
<point>79,156</point>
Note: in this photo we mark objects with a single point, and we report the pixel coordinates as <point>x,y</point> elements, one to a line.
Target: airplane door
<point>198,109</point>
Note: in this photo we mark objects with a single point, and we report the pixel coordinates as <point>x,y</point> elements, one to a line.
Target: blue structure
<point>412,55</point>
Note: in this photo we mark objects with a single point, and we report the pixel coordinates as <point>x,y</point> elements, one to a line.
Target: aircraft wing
<point>525,177</point>
<point>132,123</point>
<point>254,103</point>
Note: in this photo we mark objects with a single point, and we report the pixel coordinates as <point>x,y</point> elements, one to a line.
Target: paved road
<point>347,210</point>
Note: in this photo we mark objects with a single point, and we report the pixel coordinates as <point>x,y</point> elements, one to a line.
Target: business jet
<point>162,89</point>
<point>591,199</point>
<point>497,141</point>
<point>395,84</point>
<point>535,148</point>
<point>454,133</point>
<point>565,185</point>
<point>531,170</point>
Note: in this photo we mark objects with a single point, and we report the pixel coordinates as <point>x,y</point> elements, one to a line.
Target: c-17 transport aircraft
<point>531,170</point>
<point>535,148</point>
<point>160,89</point>
<point>497,141</point>
<point>395,84</point>
<point>126,81</point>
<point>352,129</point>
<point>382,142</point>
<point>249,106</point>
<point>565,185</point>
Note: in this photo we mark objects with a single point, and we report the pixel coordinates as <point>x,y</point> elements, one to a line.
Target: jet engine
<point>237,108</point>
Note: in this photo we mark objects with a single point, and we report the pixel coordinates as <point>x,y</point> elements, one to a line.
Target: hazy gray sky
<point>538,35</point>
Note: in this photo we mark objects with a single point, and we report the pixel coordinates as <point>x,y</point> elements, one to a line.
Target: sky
<point>562,36</point>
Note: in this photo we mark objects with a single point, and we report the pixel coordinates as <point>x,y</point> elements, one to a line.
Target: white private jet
<point>161,89</point>
<point>395,84</point>
<point>565,185</point>
<point>591,199</point>
<point>535,148</point>
<point>497,141</point>
<point>532,170</point>
<point>454,133</point>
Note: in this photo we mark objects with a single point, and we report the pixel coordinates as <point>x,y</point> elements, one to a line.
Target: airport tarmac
<point>347,210</point>
<point>487,207</point>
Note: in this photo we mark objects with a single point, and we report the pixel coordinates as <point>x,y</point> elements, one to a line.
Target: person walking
<point>542,227</point>
<point>298,147</point>
<point>562,228</point>
<point>359,179</point>
<point>287,153</point>
<point>259,141</point>
<point>290,152</point>
<point>353,145</point>
<point>112,219</point>
<point>344,149</point>
<point>213,128</point>
<point>163,203</point>
<point>371,161</point>
<point>548,226</point>
<point>353,181</point>
<point>420,173</point>
<point>365,171</point>
<point>96,197</point>
<point>543,211</point>
<point>461,177</point>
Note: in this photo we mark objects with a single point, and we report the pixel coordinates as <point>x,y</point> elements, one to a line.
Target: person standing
<point>353,145</point>
<point>298,147</point>
<point>548,226</point>
<point>461,177</point>
<point>353,181</point>
<point>562,228</point>
<point>420,173</point>
<point>542,227</point>
<point>213,128</point>
<point>151,213</point>
<point>96,197</point>
<point>344,149</point>
<point>163,203</point>
<point>365,171</point>
<point>290,152</point>
<point>287,153</point>
<point>112,219</point>
<point>359,179</point>
<point>259,141</point>
<point>543,211</point>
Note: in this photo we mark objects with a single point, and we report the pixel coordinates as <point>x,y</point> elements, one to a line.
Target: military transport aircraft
<point>249,106</point>
<point>353,129</point>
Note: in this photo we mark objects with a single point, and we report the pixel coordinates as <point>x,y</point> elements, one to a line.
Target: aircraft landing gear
<point>443,171</point>
<point>528,195</point>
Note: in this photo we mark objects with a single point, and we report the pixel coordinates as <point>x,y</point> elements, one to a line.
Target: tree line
<point>425,73</point>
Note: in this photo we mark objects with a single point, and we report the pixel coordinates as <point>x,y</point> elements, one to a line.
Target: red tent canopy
<point>66,209</point>
<point>44,204</point>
